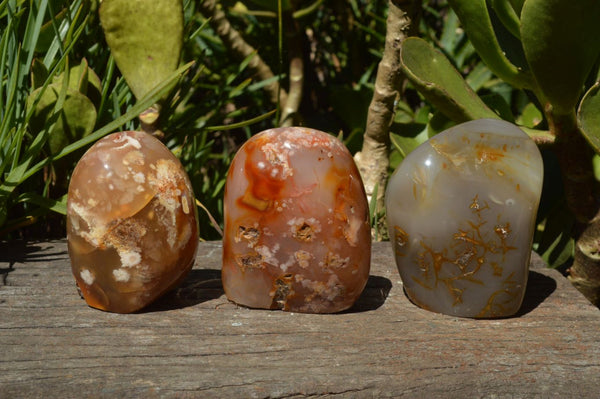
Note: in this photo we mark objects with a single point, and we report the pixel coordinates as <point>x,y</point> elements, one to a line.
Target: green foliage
<point>477,22</point>
<point>76,118</point>
<point>560,40</point>
<point>589,116</point>
<point>50,110</point>
<point>74,71</point>
<point>440,83</point>
<point>145,40</point>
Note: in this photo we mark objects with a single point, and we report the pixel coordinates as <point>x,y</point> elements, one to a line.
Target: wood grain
<point>194,343</point>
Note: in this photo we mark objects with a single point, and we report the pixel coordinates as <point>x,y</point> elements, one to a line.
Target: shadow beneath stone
<point>199,286</point>
<point>539,287</point>
<point>20,251</point>
<point>373,296</point>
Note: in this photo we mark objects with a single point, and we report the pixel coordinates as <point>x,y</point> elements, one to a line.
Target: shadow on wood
<point>194,343</point>
<point>373,296</point>
<point>201,285</point>
<point>539,287</point>
<point>205,285</point>
<point>18,251</point>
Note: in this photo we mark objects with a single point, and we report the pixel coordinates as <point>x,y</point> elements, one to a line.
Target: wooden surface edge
<point>195,343</point>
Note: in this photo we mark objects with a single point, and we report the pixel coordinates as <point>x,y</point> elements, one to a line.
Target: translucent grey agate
<point>461,210</point>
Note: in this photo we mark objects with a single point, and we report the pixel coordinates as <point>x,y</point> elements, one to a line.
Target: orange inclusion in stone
<point>131,222</point>
<point>263,186</point>
<point>486,153</point>
<point>297,233</point>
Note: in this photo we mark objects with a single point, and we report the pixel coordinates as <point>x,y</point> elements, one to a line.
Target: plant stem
<point>575,158</point>
<point>240,48</point>
<point>373,159</point>
<point>296,68</point>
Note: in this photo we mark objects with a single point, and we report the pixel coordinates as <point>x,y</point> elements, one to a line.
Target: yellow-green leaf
<point>145,38</point>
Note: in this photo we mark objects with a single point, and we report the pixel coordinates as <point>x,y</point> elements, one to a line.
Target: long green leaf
<point>58,206</point>
<point>32,31</point>
<point>242,124</point>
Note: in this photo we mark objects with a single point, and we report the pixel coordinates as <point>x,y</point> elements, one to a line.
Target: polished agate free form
<point>297,234</point>
<point>461,211</point>
<point>131,222</point>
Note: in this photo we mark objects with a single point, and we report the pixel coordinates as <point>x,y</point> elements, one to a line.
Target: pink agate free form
<point>131,222</point>
<point>297,234</point>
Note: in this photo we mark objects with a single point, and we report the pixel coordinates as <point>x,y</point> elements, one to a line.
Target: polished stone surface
<point>131,222</point>
<point>461,211</point>
<point>297,233</point>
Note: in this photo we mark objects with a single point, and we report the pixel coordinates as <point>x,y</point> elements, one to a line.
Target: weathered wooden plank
<point>194,343</point>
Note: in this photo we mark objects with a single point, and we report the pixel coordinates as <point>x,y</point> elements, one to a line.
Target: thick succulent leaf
<point>75,120</point>
<point>78,78</point>
<point>82,79</point>
<point>589,116</point>
<point>440,83</point>
<point>530,117</point>
<point>39,73</point>
<point>438,123</point>
<point>506,13</point>
<point>497,103</point>
<point>479,76</point>
<point>517,5</point>
<point>560,39</point>
<point>475,19</point>
<point>406,137</point>
<point>145,38</point>
<point>94,87</point>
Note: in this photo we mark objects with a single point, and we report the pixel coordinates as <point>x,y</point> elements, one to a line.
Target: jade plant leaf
<point>440,83</point>
<point>84,80</point>
<point>475,19</point>
<point>410,137</point>
<point>76,119</point>
<point>438,123</point>
<point>517,5</point>
<point>507,14</point>
<point>588,116</point>
<point>560,39</point>
<point>145,38</point>
<point>530,116</point>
